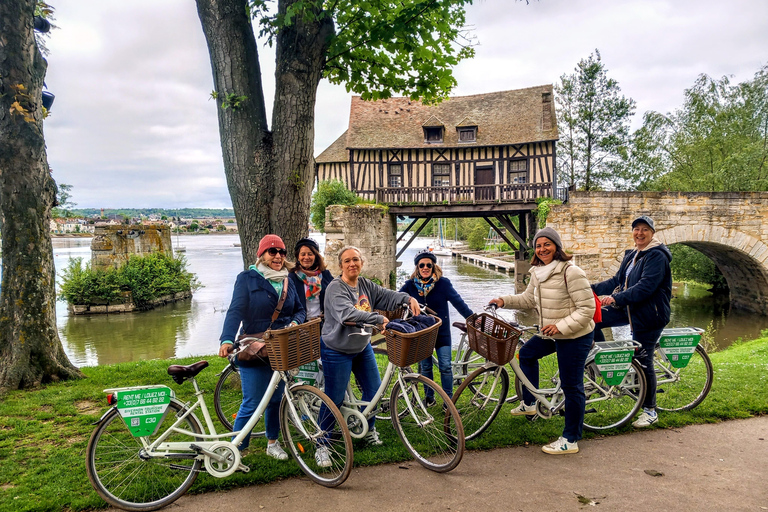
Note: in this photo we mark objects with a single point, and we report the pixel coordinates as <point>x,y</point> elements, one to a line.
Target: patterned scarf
<point>424,287</point>
<point>313,281</point>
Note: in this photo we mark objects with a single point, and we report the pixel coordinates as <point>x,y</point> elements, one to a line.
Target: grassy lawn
<point>44,433</point>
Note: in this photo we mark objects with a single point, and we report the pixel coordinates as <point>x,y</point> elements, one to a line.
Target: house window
<point>433,134</point>
<point>441,175</point>
<point>468,134</point>
<point>395,175</point>
<point>518,171</point>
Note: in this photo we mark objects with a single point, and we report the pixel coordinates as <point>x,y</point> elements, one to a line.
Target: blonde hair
<point>286,264</point>
<point>436,271</point>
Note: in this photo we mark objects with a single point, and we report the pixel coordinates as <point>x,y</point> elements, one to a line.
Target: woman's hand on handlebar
<point>499,302</point>
<point>384,324</point>
<point>225,349</point>
<point>413,305</point>
<point>550,330</point>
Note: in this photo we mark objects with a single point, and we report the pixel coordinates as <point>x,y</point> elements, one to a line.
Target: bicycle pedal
<point>587,411</point>
<point>243,468</point>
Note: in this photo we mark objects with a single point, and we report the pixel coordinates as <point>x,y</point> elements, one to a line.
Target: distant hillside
<point>190,213</point>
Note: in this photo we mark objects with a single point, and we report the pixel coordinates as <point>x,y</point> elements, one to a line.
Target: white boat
<point>439,247</point>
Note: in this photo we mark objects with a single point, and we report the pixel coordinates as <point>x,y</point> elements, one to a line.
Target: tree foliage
<point>593,121</point>
<point>688,264</point>
<point>329,192</point>
<point>717,141</point>
<point>64,202</point>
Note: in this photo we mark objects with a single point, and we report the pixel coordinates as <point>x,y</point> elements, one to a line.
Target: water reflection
<point>193,327</point>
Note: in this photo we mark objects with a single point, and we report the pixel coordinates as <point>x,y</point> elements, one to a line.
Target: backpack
<point>598,316</point>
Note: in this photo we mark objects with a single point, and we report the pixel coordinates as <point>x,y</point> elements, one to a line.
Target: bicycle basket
<point>405,349</point>
<point>492,338</point>
<point>294,346</point>
<point>395,314</point>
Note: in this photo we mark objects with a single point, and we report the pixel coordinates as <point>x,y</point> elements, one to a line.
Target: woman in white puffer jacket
<point>560,292</point>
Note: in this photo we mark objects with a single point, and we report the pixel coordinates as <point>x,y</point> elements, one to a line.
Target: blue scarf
<point>424,287</point>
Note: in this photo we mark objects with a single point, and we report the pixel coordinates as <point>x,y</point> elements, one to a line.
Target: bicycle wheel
<point>122,474</point>
<point>549,375</point>
<point>227,399</point>
<point>682,389</point>
<point>612,406</point>
<point>470,362</point>
<point>382,361</point>
<point>303,436</point>
<point>480,398</point>
<point>433,435</point>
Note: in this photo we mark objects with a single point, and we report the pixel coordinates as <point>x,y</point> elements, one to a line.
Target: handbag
<point>257,349</point>
<point>598,316</point>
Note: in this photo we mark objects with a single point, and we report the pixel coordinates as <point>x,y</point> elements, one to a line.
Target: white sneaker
<point>323,457</point>
<point>646,419</point>
<point>372,438</point>
<point>276,451</point>
<point>560,447</point>
<point>523,410</point>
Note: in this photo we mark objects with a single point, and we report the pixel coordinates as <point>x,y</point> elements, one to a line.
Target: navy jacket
<point>299,285</point>
<point>437,299</point>
<point>253,302</point>
<point>648,290</point>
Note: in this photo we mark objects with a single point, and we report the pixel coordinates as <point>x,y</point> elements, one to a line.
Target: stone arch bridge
<point>731,228</point>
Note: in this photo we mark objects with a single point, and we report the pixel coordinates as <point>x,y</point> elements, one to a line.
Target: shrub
<point>328,193</point>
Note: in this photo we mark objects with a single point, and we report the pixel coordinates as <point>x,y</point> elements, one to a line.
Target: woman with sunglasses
<point>428,286</point>
<point>310,276</point>
<point>254,300</point>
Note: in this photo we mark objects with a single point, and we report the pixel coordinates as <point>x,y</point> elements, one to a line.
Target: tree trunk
<point>30,348</point>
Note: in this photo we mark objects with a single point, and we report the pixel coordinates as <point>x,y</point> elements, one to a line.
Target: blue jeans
<point>446,372</point>
<point>571,357</point>
<point>337,368</point>
<point>613,317</point>
<point>254,381</point>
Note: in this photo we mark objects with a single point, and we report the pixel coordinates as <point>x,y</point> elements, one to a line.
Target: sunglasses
<point>425,265</point>
<point>273,251</point>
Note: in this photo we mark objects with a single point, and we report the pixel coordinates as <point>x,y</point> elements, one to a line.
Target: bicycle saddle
<point>181,373</point>
<point>460,326</point>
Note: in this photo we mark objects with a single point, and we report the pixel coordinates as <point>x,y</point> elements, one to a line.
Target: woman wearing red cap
<point>310,276</point>
<point>254,300</point>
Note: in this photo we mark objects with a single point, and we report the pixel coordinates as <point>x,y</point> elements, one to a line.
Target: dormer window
<point>468,134</point>
<point>433,134</point>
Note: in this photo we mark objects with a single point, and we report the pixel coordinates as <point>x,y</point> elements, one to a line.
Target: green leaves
<point>328,193</point>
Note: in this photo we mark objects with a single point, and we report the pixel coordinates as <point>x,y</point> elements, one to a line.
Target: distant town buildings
<point>67,226</point>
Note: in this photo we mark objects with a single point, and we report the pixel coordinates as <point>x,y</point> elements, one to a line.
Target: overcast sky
<point>133,126</point>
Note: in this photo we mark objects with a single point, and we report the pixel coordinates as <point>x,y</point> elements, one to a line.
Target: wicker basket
<point>294,346</point>
<point>395,314</point>
<point>492,338</point>
<point>405,349</point>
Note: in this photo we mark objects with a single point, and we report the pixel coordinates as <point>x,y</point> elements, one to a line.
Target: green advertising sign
<point>310,373</point>
<point>678,349</point>
<point>143,409</point>
<point>614,365</point>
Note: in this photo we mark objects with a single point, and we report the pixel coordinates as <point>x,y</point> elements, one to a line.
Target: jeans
<point>254,381</point>
<point>571,357</point>
<point>337,368</point>
<point>613,317</point>
<point>446,371</point>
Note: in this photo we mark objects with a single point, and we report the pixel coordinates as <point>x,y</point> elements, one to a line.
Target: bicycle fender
<point>98,422</point>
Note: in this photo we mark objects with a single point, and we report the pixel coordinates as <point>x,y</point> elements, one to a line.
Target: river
<point>192,327</point>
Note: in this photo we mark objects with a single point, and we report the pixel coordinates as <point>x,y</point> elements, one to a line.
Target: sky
<point>133,125</point>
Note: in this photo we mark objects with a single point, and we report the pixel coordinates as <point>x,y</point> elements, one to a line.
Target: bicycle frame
<point>540,394</point>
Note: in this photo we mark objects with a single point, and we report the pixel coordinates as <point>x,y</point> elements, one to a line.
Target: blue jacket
<point>648,290</point>
<point>437,299</point>
<point>299,285</point>
<point>254,300</point>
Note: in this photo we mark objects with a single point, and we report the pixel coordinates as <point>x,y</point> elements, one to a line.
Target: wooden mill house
<point>487,155</point>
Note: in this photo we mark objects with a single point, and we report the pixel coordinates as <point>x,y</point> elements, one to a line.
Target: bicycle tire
<point>433,435</point>
<point>306,402</point>
<point>549,372</point>
<point>227,398</point>
<point>480,398</point>
<point>608,406</point>
<point>125,480</point>
<point>682,389</point>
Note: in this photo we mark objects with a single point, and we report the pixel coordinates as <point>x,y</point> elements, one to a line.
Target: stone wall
<point>112,245</point>
<point>731,228</point>
<point>368,227</point>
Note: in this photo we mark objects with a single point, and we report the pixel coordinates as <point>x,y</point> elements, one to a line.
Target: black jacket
<point>648,290</point>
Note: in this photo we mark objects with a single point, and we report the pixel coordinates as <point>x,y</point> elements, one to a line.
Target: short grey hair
<point>350,248</point>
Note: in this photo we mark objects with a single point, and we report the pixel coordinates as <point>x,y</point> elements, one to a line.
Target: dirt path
<point>720,467</point>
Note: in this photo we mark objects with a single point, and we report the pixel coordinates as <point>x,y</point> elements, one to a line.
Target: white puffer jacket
<point>569,306</point>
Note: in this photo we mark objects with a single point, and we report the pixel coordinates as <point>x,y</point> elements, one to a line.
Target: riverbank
<point>46,431</point>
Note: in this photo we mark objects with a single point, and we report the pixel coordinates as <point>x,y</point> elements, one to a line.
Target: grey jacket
<point>346,304</point>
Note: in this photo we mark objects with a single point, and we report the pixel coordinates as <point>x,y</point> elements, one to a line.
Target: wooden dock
<point>482,260</point>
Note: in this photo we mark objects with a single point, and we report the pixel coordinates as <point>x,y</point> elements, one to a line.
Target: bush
<point>328,193</point>
<point>476,239</point>
<point>146,277</point>
<point>688,264</point>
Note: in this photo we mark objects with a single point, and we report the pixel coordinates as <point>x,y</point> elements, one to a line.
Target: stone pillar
<point>112,245</point>
<point>371,229</point>
<point>522,275</point>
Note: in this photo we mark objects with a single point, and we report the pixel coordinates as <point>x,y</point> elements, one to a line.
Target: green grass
<point>44,432</point>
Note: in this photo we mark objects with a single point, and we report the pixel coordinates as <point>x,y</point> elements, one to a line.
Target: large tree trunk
<point>270,174</point>
<point>30,349</point>
<point>245,139</point>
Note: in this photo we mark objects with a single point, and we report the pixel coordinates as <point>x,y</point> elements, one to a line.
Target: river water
<point>192,327</point>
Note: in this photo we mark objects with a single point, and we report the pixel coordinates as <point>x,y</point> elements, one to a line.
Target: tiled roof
<point>505,117</point>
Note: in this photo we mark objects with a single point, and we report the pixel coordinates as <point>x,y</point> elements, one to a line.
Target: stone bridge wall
<point>731,228</point>
<point>112,245</point>
<point>369,228</point>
